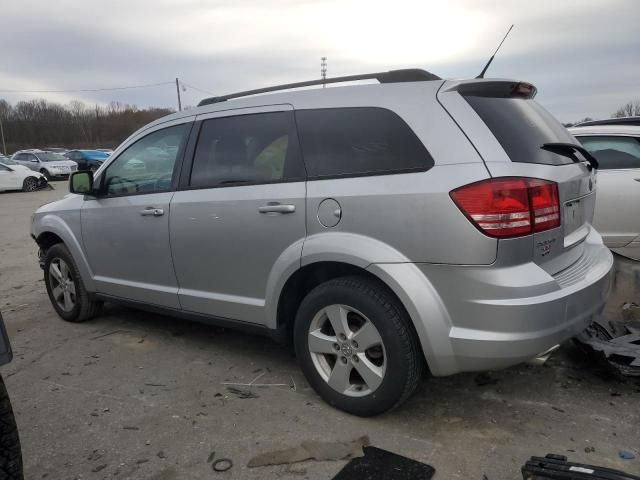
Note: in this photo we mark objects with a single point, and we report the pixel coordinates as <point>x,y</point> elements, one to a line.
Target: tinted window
<point>613,152</point>
<point>358,141</point>
<point>522,127</point>
<point>258,148</point>
<point>147,166</point>
<point>4,169</point>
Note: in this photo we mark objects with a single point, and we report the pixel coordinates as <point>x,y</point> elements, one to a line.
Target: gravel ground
<point>138,395</point>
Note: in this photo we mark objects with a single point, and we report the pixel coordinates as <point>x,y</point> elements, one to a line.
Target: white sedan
<point>17,177</point>
<point>616,145</point>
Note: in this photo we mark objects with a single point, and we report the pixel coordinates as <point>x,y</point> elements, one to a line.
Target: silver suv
<point>383,228</point>
<point>50,164</point>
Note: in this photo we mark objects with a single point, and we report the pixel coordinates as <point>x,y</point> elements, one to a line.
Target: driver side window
<point>147,166</point>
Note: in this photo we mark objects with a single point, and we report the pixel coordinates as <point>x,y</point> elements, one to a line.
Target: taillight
<point>510,206</point>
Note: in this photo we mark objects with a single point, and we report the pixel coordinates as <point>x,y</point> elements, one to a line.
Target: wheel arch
<point>52,230</point>
<point>331,255</point>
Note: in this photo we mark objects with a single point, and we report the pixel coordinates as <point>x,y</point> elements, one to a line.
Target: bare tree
<point>39,123</point>
<point>629,109</point>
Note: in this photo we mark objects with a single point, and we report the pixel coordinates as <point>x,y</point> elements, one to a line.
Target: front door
<point>241,214</point>
<point>8,179</point>
<point>125,228</point>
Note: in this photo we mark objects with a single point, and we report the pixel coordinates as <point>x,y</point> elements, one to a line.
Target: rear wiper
<point>568,150</point>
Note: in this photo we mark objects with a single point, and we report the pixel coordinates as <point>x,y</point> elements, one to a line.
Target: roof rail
<point>611,121</point>
<point>392,76</point>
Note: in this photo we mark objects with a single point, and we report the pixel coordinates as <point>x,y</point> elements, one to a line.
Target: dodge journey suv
<point>382,228</point>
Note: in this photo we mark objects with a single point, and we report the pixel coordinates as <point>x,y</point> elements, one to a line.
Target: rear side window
<point>613,152</point>
<point>247,149</point>
<point>522,127</point>
<point>358,141</point>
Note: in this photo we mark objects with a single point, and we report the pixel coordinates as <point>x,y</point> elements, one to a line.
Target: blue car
<point>87,159</point>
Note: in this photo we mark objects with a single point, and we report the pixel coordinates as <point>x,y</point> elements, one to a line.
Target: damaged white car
<point>17,177</point>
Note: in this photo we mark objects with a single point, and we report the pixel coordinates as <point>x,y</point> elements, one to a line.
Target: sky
<point>583,55</point>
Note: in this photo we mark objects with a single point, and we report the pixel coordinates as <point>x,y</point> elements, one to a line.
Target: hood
<point>24,172</point>
<point>18,167</point>
<point>61,163</point>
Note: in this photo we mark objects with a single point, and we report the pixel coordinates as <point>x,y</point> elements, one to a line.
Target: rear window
<point>358,141</point>
<point>522,127</point>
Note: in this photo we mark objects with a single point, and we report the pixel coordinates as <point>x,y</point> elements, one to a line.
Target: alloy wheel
<point>63,288</point>
<point>30,184</point>
<point>347,350</point>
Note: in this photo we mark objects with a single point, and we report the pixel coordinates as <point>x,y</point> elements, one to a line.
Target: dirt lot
<point>138,395</point>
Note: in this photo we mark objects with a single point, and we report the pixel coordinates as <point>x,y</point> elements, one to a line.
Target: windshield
<point>7,161</point>
<point>50,157</point>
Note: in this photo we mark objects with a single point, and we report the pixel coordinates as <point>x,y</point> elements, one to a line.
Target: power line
<point>91,89</point>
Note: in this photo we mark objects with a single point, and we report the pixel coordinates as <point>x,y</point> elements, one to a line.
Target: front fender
<point>59,224</point>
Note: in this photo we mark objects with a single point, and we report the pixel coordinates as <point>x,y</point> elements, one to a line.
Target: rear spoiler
<point>494,89</point>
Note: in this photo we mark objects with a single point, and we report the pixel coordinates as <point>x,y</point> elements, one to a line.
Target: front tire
<point>66,290</point>
<point>30,184</point>
<point>356,346</point>
<point>46,173</point>
<point>10,452</point>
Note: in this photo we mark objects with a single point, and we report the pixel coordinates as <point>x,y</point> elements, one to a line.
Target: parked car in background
<point>10,451</point>
<point>87,159</point>
<point>47,163</point>
<point>616,145</point>
<point>359,221</point>
<point>17,177</point>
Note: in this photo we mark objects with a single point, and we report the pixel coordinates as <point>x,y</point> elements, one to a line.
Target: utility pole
<point>4,147</point>
<point>178,90</point>
<point>323,69</point>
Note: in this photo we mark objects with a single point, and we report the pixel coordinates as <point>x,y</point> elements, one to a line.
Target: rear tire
<point>30,184</point>
<point>10,452</point>
<point>66,290</point>
<point>372,365</point>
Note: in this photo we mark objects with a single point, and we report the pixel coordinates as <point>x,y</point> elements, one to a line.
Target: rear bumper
<point>515,313</point>
<point>473,318</point>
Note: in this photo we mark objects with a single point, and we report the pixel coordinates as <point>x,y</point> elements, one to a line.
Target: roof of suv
<point>612,121</point>
<point>392,85</point>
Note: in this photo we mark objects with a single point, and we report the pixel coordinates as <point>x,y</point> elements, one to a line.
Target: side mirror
<point>81,182</point>
<point>34,160</point>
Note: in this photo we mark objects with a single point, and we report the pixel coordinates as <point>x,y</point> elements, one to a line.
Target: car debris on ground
<point>616,342</point>
<point>312,450</point>
<point>557,467</point>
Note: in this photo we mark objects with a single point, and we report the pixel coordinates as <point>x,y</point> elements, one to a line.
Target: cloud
<point>582,55</point>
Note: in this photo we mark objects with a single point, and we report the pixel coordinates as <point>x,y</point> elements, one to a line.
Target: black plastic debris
<point>378,464</point>
<point>556,467</point>
<point>617,343</point>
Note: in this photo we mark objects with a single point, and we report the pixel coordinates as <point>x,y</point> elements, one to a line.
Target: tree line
<point>40,123</point>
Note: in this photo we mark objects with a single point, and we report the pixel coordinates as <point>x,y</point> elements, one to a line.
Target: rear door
<point>240,210</point>
<point>509,129</point>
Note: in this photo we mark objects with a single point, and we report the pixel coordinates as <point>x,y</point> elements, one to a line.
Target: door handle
<point>637,179</point>
<point>277,208</point>
<point>152,212</point>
